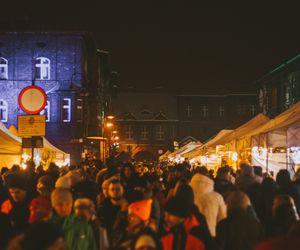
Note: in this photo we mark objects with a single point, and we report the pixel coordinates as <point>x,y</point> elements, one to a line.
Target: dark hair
<point>149,232</point>
<point>283,177</point>
<point>40,236</point>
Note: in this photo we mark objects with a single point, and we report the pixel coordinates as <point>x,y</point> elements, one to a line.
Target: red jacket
<point>183,236</point>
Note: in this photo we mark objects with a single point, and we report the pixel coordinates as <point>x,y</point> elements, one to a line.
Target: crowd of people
<point>148,207</point>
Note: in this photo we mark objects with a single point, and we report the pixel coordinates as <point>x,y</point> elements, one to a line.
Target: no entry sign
<point>32,99</point>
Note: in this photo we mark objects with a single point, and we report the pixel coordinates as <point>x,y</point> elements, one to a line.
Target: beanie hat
<point>63,182</point>
<point>61,195</point>
<point>16,181</point>
<point>141,209</point>
<point>176,207</point>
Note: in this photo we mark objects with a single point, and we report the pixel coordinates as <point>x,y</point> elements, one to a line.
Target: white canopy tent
<point>281,132</point>
<point>10,147</point>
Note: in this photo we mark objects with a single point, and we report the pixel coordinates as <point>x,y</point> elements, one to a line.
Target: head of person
<point>105,185</point>
<point>84,208</point>
<point>223,173</point>
<point>45,182</point>
<point>127,170</point>
<point>139,215</point>
<point>40,209</point>
<point>246,170</point>
<point>175,212</point>
<point>146,239</point>
<point>115,190</point>
<point>237,201</point>
<point>283,177</point>
<point>62,202</point>
<point>17,187</point>
<point>284,208</point>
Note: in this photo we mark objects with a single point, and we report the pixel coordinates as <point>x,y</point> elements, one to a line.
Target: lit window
<point>79,109</point>
<point>3,69</point>
<point>66,110</point>
<point>3,110</point>
<point>42,68</point>
<point>46,112</point>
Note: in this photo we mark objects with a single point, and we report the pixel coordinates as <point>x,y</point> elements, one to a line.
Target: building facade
<point>152,122</point>
<point>280,88</point>
<point>66,66</point>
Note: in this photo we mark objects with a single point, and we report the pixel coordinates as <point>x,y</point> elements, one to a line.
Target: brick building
<point>149,123</point>
<point>280,88</point>
<point>66,66</point>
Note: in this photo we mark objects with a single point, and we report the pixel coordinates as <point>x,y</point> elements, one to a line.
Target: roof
<point>251,125</point>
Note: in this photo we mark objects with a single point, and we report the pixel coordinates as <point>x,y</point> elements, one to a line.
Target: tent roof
<point>9,143</point>
<point>239,132</point>
<point>51,147</point>
<point>197,151</point>
<point>184,148</point>
<point>281,122</point>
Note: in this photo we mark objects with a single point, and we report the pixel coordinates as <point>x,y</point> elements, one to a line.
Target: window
<point>172,132</point>
<point>160,133</point>
<point>204,110</point>
<point>46,112</point>
<point>253,109</point>
<point>42,68</point>
<point>66,110</point>
<point>144,134</point>
<point>3,110</point>
<point>79,110</point>
<point>221,111</point>
<point>188,111</point>
<point>3,69</point>
<point>240,109</point>
<point>129,133</point>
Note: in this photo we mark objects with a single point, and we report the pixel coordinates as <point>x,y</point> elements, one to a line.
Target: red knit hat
<point>141,209</point>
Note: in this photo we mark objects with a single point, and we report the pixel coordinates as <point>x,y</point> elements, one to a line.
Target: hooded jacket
<point>209,203</point>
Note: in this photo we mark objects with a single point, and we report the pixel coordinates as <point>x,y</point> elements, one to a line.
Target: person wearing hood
<point>210,203</point>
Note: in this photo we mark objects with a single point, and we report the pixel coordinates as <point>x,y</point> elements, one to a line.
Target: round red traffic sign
<point>32,99</point>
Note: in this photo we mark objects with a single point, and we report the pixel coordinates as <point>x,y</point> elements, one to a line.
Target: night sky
<point>175,45</point>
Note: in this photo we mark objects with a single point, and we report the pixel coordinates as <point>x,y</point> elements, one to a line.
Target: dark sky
<point>179,45</point>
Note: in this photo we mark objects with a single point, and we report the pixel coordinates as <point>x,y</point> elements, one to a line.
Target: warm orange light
<point>110,117</point>
<point>115,132</point>
<point>109,124</point>
<point>117,138</point>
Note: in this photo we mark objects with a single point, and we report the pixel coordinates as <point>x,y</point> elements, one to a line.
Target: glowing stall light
<point>192,161</point>
<point>234,156</point>
<point>295,154</point>
<point>25,157</point>
<point>37,159</point>
<point>65,163</point>
<point>203,160</point>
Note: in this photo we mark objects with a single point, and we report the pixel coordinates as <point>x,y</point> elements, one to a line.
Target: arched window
<point>46,111</point>
<point>3,110</point>
<point>3,69</point>
<point>42,68</point>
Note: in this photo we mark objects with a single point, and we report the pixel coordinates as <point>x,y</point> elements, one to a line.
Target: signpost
<point>32,100</point>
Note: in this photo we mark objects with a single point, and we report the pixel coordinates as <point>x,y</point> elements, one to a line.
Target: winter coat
<point>239,232</point>
<point>186,236</point>
<point>18,213</point>
<point>78,234</point>
<point>211,204</point>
